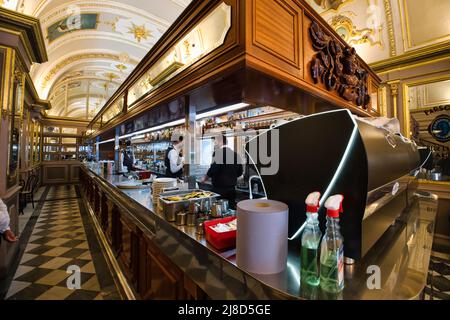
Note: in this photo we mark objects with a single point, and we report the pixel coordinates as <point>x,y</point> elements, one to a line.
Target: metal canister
<point>200,227</point>
<point>194,207</point>
<point>225,205</point>
<point>181,219</point>
<point>205,205</point>
<point>216,211</point>
<point>191,219</point>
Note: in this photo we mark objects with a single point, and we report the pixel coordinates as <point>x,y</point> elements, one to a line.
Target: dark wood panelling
<point>148,269</point>
<point>160,278</point>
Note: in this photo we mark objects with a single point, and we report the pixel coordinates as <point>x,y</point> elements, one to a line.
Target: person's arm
<point>5,230</point>
<point>173,159</point>
<point>4,218</point>
<point>212,171</point>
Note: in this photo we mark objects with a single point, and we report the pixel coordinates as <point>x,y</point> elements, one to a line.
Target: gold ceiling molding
<point>49,76</point>
<point>418,57</point>
<point>87,78</point>
<point>30,32</point>
<point>95,34</point>
<point>390,27</point>
<point>61,11</point>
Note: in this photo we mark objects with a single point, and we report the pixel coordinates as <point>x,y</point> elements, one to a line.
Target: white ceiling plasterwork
<point>93,46</point>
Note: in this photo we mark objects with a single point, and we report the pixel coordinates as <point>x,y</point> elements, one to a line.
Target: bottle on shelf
<point>310,242</point>
<point>332,249</point>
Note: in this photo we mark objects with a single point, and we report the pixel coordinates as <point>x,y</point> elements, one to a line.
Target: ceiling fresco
<point>84,21</point>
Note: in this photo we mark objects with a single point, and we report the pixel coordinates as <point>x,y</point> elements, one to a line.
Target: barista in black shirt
<point>225,169</point>
<point>128,157</point>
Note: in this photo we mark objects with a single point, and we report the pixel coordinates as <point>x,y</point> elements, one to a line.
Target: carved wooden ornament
<point>338,68</point>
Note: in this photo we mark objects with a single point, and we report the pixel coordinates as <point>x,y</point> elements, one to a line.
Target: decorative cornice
<point>30,28</point>
<point>433,52</point>
<point>45,104</point>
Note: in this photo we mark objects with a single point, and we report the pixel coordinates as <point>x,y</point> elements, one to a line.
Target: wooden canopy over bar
<point>275,52</point>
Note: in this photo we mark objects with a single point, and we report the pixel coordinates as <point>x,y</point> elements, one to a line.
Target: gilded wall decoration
<point>390,27</point>
<point>140,32</point>
<point>84,21</point>
<point>345,27</point>
<point>338,68</point>
<point>323,6</point>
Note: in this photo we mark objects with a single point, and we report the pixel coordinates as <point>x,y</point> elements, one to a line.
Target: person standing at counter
<point>128,157</point>
<point>225,169</point>
<point>174,161</point>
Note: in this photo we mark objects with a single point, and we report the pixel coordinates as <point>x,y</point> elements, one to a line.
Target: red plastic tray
<point>222,240</point>
<point>145,174</point>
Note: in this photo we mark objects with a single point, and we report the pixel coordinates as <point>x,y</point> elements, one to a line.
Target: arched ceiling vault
<point>92,47</point>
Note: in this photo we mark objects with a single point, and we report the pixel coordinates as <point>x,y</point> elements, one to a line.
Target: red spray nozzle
<point>334,205</point>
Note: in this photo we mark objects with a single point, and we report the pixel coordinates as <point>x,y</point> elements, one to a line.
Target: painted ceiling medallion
<point>139,32</point>
<point>338,68</point>
<point>84,21</point>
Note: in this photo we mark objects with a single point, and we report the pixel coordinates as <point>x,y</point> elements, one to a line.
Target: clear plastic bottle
<point>310,242</point>
<point>332,249</point>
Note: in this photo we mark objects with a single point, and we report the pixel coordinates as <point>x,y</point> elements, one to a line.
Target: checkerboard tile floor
<point>57,242</point>
<point>438,285</point>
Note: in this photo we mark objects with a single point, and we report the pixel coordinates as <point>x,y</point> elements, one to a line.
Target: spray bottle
<point>311,241</point>
<point>332,249</point>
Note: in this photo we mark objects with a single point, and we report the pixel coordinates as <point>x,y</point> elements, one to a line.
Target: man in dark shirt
<point>128,157</point>
<point>225,169</point>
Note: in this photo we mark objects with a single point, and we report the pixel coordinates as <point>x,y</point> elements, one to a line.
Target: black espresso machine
<point>336,153</point>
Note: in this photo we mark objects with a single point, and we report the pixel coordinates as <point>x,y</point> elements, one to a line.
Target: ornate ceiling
<point>93,45</point>
<point>382,29</point>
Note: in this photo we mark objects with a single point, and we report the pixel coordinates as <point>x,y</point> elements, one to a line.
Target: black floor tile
<point>75,262</point>
<point>33,275</point>
<point>85,277</point>
<point>73,243</point>
<point>73,253</point>
<point>31,292</point>
<point>43,233</point>
<point>40,250</point>
<point>42,240</point>
<point>38,261</point>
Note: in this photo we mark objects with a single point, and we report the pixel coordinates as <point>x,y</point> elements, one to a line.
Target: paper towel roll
<point>262,236</point>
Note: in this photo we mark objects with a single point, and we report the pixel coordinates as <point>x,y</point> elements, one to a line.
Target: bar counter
<point>164,261</point>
